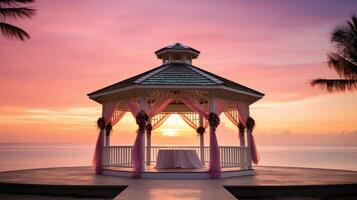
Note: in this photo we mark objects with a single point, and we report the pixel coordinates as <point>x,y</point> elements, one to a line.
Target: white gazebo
<point>198,97</point>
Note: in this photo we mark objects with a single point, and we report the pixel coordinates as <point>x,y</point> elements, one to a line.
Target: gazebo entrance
<point>198,97</point>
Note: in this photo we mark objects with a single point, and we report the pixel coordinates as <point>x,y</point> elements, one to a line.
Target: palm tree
<point>13,9</point>
<point>344,60</point>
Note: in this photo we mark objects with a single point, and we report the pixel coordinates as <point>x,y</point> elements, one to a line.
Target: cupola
<point>177,53</point>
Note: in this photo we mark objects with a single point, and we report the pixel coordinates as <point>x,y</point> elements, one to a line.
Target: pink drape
<point>97,157</point>
<point>133,107</point>
<point>138,151</point>
<point>188,121</point>
<point>108,110</point>
<point>236,121</point>
<point>254,150</point>
<point>159,106</point>
<point>195,105</point>
<point>215,163</point>
<point>192,123</point>
<point>160,122</point>
<point>243,110</point>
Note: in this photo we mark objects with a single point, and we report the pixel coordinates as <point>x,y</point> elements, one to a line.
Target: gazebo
<point>198,97</point>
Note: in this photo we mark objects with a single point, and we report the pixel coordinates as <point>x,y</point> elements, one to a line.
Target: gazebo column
<point>107,139</point>
<point>241,130</point>
<point>202,141</point>
<point>103,131</point>
<point>250,149</point>
<point>143,108</point>
<point>249,144</point>
<point>215,163</point>
<point>148,145</point>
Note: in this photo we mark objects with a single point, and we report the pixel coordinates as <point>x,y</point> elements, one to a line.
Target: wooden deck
<point>274,180</point>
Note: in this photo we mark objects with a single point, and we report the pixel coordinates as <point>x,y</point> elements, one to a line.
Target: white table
<point>185,159</point>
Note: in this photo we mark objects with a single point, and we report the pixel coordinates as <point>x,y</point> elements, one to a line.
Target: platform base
<point>152,173</point>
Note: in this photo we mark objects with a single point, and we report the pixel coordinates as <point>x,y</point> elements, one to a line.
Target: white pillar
<point>143,107</point>
<point>212,103</point>
<point>103,132</point>
<point>202,141</point>
<point>107,139</point>
<point>148,147</point>
<point>249,149</point>
<point>241,137</point>
<point>212,108</point>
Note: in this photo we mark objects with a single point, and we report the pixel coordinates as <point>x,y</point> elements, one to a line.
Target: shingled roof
<point>177,74</point>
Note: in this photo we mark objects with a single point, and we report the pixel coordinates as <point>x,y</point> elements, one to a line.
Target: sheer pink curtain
<point>215,160</point>
<point>215,163</point>
<point>243,110</point>
<point>159,106</point>
<point>97,157</point>
<point>160,122</point>
<point>137,152</point>
<point>108,110</point>
<point>195,106</point>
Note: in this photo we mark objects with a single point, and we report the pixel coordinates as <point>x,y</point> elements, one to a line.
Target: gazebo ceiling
<point>176,76</point>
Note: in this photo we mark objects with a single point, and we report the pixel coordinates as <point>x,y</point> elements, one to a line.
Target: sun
<point>169,132</point>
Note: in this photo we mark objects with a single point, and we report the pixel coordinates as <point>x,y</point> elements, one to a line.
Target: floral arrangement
<point>213,120</point>
<point>141,120</point>
<point>241,128</point>
<point>108,128</point>
<point>250,123</point>
<point>101,123</point>
<point>148,129</point>
<point>200,130</point>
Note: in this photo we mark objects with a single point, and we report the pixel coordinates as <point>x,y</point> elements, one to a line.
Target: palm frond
<point>335,85</point>
<point>343,67</point>
<point>353,24</point>
<point>15,13</point>
<point>15,2</point>
<point>11,31</point>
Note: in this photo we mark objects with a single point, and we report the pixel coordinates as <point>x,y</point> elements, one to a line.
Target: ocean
<point>26,156</point>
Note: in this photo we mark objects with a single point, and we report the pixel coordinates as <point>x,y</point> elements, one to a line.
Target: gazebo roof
<point>177,75</point>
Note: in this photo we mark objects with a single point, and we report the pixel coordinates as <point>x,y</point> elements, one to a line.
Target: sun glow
<point>169,132</point>
<point>174,120</point>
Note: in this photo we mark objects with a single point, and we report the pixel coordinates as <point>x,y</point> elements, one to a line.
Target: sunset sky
<point>76,47</point>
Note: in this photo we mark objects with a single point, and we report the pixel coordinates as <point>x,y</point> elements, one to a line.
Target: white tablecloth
<point>186,159</point>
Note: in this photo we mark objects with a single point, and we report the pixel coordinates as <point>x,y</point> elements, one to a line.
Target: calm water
<point>20,156</point>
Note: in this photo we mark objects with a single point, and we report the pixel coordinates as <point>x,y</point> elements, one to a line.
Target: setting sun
<point>169,132</point>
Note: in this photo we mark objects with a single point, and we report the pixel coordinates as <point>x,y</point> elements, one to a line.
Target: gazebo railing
<point>234,156</point>
<point>117,156</point>
<point>230,156</point>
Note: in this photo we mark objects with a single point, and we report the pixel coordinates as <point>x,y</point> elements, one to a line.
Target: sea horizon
<point>18,156</point>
